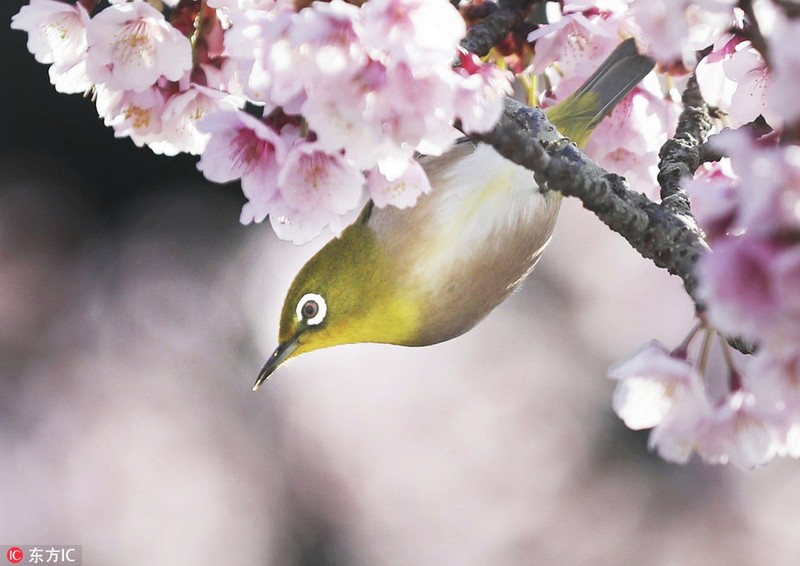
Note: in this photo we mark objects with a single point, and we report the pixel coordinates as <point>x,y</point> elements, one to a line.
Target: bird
<point>429,273</point>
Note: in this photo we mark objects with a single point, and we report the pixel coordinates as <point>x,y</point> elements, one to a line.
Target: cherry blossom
<point>256,40</point>
<point>579,43</point>
<point>650,383</point>
<point>769,186</point>
<point>717,88</point>
<point>182,112</point>
<point>57,36</point>
<point>735,78</point>
<point>436,27</point>
<point>131,46</point>
<point>677,436</point>
<point>665,391</point>
<point>313,179</point>
<point>402,191</point>
<point>243,5</point>
<point>132,114</point>
<point>242,147</point>
<point>735,431</point>
<point>740,283</point>
<point>715,198</point>
<point>480,82</point>
<point>674,30</point>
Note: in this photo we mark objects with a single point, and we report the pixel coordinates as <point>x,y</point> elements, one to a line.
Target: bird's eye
<point>311,309</point>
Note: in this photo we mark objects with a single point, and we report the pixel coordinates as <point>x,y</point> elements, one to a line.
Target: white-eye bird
<point>426,274</point>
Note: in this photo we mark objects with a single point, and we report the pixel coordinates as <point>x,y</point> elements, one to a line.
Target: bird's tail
<point>578,115</point>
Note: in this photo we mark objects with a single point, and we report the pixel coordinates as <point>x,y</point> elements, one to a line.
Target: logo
<point>15,555</point>
<point>55,555</point>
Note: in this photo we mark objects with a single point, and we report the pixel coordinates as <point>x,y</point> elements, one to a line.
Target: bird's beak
<point>279,356</point>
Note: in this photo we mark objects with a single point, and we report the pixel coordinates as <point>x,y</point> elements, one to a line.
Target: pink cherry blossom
<point>327,39</point>
<point>56,30</point>
<point>435,26</point>
<point>244,5</point>
<point>774,379</point>
<point>736,431</point>
<point>715,86</point>
<point>677,436</point>
<point>373,83</point>
<point>314,180</point>
<point>243,147</point>
<point>732,430</point>
<point>649,383</point>
<point>775,383</point>
<point>770,183</point>
<point>260,54</point>
<point>747,70</point>
<point>750,285</point>
<point>402,191</point>
<point>132,114</point>
<point>70,79</point>
<point>302,227</point>
<point>735,78</point>
<point>578,43</point>
<point>715,197</point>
<point>738,283</point>
<point>182,112</point>
<point>131,46</point>
<point>747,425</point>
<point>57,35</point>
<point>616,6</point>
<point>339,124</point>
<point>627,141</point>
<point>479,94</point>
<point>674,30</point>
<point>414,107</point>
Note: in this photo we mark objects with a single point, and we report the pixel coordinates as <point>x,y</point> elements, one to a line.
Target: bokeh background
<point>135,312</point>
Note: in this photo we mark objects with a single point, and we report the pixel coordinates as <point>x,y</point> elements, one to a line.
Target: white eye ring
<point>311,308</point>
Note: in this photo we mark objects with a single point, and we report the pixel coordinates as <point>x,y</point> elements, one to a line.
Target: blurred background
<point>135,312</point>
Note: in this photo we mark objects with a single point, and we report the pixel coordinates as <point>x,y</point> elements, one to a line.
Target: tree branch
<point>682,155</point>
<point>665,233</point>
<point>493,29</point>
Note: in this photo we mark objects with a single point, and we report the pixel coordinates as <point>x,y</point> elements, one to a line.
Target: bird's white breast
<point>478,206</point>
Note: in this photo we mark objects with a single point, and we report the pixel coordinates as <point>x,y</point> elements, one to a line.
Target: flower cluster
<point>141,67</point>
<point>752,421</point>
<point>345,95</point>
<point>749,206</point>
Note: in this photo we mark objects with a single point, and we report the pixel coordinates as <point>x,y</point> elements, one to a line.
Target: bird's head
<point>347,293</point>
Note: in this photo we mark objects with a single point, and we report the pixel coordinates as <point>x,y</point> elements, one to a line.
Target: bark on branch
<point>493,29</point>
